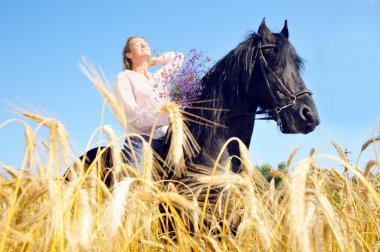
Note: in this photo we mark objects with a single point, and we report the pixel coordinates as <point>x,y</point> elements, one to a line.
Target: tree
<point>268,172</point>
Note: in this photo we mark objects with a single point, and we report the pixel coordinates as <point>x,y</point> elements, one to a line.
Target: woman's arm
<point>172,62</point>
<point>153,61</point>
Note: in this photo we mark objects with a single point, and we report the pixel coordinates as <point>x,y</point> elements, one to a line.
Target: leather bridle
<point>280,104</point>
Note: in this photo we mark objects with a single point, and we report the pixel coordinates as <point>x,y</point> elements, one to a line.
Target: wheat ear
<point>115,151</point>
<point>297,213</point>
<point>30,145</point>
<point>175,155</point>
<point>88,69</point>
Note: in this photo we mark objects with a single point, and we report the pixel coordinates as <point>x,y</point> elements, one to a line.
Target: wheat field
<point>313,208</point>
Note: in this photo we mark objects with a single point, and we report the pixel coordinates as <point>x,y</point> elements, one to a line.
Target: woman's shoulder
<point>124,74</point>
<point>122,78</point>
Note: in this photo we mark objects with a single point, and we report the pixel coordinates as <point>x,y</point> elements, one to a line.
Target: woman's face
<point>139,49</point>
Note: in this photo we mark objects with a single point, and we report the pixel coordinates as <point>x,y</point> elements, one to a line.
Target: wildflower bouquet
<point>186,85</point>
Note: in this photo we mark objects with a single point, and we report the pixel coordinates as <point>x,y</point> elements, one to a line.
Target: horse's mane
<point>286,54</point>
<point>228,81</point>
<point>225,83</point>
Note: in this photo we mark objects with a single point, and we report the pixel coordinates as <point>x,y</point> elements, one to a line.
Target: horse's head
<point>283,94</point>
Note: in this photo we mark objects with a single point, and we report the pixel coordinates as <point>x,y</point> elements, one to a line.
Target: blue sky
<point>42,43</point>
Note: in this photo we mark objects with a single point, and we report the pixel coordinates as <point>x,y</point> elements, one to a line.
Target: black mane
<point>226,82</point>
<point>286,51</point>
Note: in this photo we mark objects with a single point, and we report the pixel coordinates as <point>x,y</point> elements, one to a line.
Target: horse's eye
<point>273,56</point>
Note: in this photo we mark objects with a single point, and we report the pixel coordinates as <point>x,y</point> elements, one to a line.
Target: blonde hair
<point>127,62</point>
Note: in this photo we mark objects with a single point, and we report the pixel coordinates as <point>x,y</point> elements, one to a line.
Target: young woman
<point>140,93</point>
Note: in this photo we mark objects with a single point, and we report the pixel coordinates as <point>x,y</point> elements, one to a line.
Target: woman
<point>140,93</point>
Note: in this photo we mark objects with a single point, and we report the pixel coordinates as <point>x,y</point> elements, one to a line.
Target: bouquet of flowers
<point>186,85</point>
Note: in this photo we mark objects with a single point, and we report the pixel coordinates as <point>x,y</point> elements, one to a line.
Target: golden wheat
<point>313,208</point>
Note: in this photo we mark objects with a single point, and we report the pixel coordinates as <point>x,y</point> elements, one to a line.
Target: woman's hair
<point>127,62</point>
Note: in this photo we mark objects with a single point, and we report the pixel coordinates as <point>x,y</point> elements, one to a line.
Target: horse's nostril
<point>306,114</point>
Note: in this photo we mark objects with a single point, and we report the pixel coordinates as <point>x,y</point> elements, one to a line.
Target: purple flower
<point>186,85</point>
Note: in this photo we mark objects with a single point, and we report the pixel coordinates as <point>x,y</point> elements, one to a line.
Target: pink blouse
<point>141,97</point>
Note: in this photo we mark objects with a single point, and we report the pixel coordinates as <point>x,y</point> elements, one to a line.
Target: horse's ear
<point>265,33</point>
<point>285,31</point>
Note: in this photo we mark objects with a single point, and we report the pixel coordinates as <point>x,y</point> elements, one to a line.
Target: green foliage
<point>269,173</point>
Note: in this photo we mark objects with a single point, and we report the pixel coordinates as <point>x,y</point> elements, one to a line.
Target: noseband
<point>280,104</point>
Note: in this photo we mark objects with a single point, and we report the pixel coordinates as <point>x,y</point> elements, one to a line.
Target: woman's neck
<point>141,68</point>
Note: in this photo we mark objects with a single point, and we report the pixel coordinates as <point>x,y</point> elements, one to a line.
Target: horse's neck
<point>236,124</point>
<point>241,126</point>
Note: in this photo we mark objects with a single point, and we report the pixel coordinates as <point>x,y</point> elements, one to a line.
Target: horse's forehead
<point>291,76</point>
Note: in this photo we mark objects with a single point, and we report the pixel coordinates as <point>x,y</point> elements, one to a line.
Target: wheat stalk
<point>50,123</point>
<point>368,142</point>
<point>297,207</point>
<point>115,152</point>
<point>115,209</point>
<point>148,162</point>
<point>291,157</point>
<point>63,138</point>
<point>99,82</point>
<point>340,151</point>
<point>369,165</point>
<point>175,155</point>
<point>333,221</point>
<point>85,219</point>
<point>30,145</point>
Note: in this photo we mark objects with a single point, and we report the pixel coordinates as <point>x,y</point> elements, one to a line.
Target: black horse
<point>262,72</point>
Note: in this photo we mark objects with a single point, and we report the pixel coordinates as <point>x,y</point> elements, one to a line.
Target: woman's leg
<point>134,155</point>
<point>133,152</point>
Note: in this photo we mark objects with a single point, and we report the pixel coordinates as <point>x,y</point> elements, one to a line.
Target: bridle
<point>280,104</point>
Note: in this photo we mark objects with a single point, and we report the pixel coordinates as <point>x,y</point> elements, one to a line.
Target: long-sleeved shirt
<point>141,97</point>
